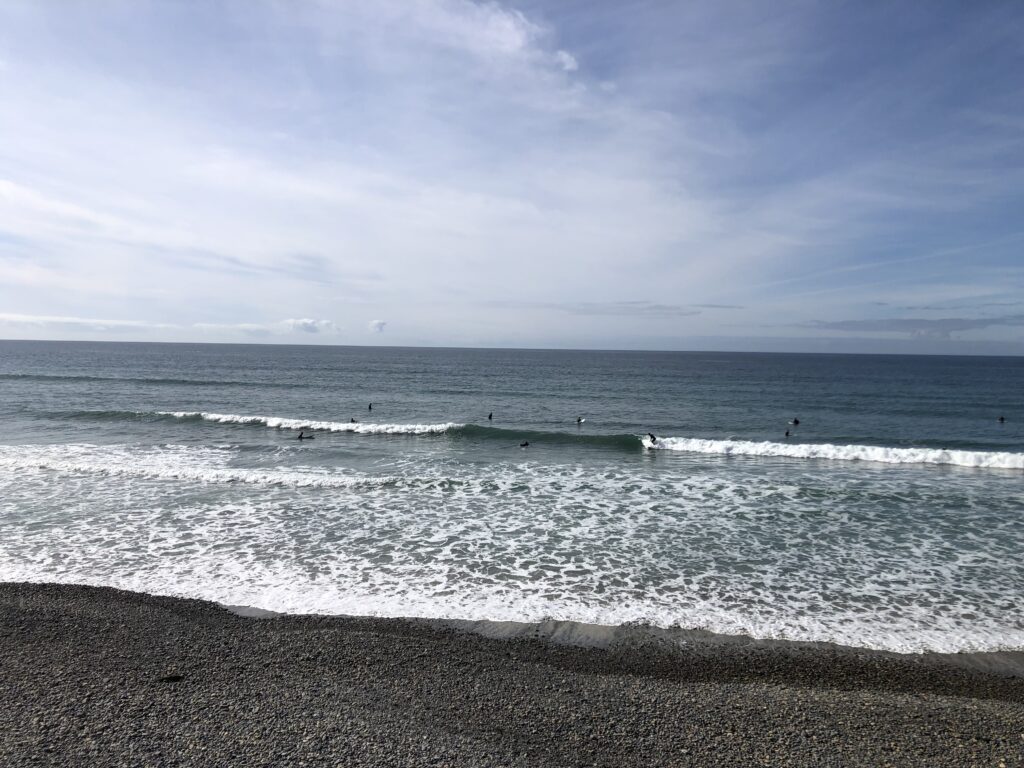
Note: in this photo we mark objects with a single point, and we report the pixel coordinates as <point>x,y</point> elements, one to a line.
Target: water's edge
<point>634,636</point>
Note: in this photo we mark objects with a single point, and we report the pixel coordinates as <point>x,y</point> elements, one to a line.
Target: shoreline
<point>567,632</point>
<point>98,676</point>
<point>638,636</point>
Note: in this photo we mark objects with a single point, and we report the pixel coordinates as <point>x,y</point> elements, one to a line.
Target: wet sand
<point>99,677</point>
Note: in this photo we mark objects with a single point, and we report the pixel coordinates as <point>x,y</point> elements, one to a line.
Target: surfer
<point>795,422</point>
<point>304,436</point>
<point>371,407</point>
<point>524,444</point>
<point>653,438</point>
<point>1002,419</point>
<point>579,420</point>
<point>352,421</point>
<point>787,433</point>
<point>490,416</point>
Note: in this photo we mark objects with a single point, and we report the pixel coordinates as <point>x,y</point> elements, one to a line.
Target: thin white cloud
<point>425,161</point>
<point>15,198</point>
<point>566,61</point>
<point>309,325</point>
<point>249,329</point>
<point>102,325</point>
<point>80,323</point>
<point>483,29</point>
<point>376,326</point>
<point>941,328</point>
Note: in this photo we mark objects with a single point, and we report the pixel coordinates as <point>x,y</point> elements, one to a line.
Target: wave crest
<point>277,422</point>
<point>171,463</point>
<point>872,453</point>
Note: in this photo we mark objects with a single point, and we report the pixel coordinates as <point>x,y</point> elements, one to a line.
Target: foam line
<point>942,456</point>
<point>182,464</point>
<point>276,422</point>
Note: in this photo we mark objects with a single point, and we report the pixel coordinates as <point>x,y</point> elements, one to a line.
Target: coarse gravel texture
<point>98,677</point>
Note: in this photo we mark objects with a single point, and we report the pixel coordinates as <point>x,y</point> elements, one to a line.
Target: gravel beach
<point>99,677</point>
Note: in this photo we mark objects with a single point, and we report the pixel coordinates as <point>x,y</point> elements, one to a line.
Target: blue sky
<point>767,176</point>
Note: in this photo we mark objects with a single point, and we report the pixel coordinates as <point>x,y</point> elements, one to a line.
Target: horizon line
<point>514,349</point>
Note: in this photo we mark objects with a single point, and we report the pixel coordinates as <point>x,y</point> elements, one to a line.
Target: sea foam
<point>872,453</point>
<point>749,549</point>
<point>277,422</point>
<point>169,463</point>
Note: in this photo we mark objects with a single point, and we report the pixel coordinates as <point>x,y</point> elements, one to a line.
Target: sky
<point>784,176</point>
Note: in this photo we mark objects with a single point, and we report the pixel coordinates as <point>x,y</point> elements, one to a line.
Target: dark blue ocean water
<point>892,516</point>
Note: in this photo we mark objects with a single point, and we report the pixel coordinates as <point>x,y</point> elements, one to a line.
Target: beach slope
<point>100,677</point>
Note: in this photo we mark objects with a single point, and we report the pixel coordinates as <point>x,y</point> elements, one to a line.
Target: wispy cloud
<point>310,325</point>
<point>633,309</point>
<point>118,326</point>
<point>376,326</point>
<point>627,309</point>
<point>78,323</point>
<point>425,161</point>
<point>916,326</point>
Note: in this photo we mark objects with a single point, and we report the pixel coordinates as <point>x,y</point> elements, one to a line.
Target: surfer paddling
<point>304,436</point>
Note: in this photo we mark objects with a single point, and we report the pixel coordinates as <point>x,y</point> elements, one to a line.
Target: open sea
<point>892,517</point>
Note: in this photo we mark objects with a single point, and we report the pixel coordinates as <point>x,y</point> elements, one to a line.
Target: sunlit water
<point>892,517</point>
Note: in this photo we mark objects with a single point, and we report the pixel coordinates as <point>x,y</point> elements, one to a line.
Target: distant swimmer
<point>371,407</point>
<point>1002,419</point>
<point>524,444</point>
<point>787,433</point>
<point>352,421</point>
<point>490,416</point>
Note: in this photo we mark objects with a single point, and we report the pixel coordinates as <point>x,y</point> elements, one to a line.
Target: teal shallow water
<point>892,517</point>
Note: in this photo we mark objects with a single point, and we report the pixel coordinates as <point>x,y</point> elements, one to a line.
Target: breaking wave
<point>277,422</point>
<point>936,456</point>
<point>870,453</point>
<point>185,463</point>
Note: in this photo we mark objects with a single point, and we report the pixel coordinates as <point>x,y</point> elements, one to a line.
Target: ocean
<point>891,517</point>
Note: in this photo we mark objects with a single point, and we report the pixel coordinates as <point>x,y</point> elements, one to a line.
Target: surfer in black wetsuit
<point>653,438</point>
<point>1002,419</point>
<point>371,407</point>
<point>579,420</point>
<point>787,433</point>
<point>304,436</point>
<point>490,415</point>
<point>352,421</point>
<point>524,444</point>
<point>796,422</point>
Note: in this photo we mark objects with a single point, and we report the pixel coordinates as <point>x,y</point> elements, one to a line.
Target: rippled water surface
<point>891,517</point>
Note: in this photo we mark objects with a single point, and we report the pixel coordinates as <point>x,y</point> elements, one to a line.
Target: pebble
<point>99,677</point>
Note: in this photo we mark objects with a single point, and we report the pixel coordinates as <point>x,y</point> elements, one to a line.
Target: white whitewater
<point>277,422</point>
<point>872,453</point>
